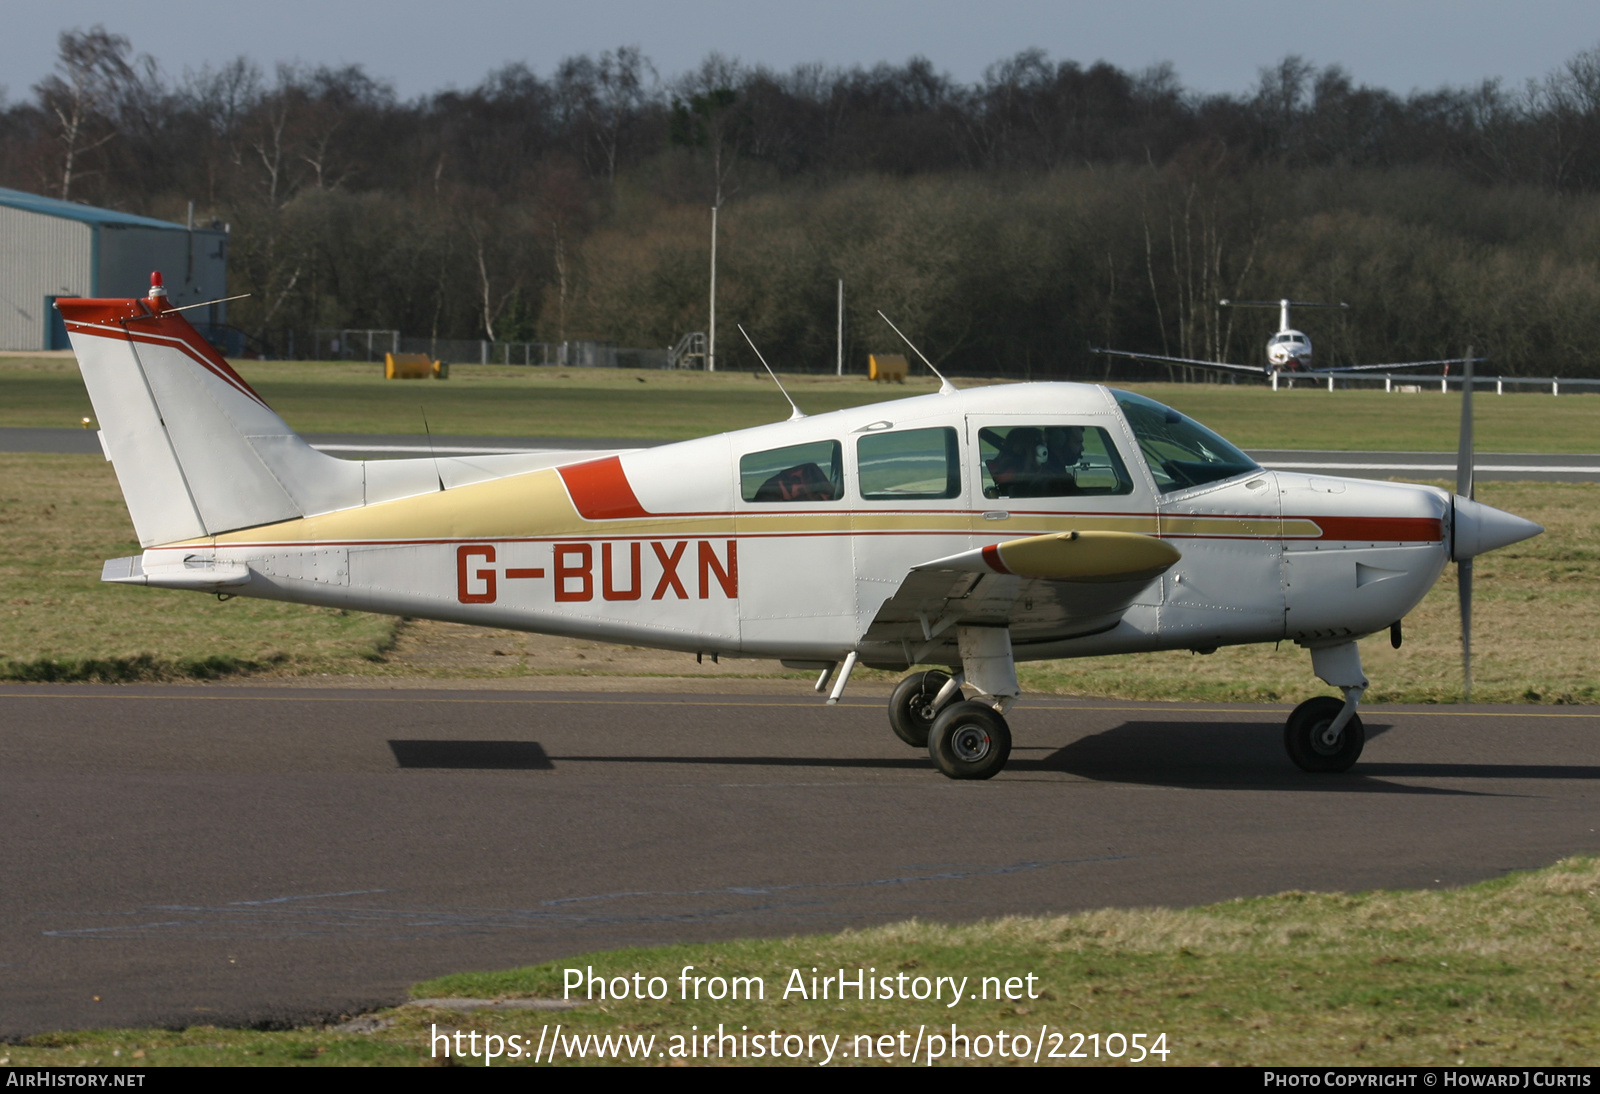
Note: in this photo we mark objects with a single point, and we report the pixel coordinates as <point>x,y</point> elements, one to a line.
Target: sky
<point>420,46</point>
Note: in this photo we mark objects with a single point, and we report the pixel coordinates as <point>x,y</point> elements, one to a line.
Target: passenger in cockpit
<point>1016,467</point>
<point>805,482</point>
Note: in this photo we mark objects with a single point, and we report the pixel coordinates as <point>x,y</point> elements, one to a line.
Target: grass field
<point>1499,973</point>
<point>661,405</point>
<point>60,517</point>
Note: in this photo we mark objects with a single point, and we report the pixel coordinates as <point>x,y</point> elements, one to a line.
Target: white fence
<point>1407,382</point>
<point>353,344</point>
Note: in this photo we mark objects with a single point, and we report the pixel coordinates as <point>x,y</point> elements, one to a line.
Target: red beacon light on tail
<point>158,292</point>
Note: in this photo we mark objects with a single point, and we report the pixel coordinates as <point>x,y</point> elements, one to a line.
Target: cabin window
<point>913,463</point>
<point>1180,451</point>
<point>798,473</point>
<point>1050,461</point>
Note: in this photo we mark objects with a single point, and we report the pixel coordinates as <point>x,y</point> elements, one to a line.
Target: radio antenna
<point>945,386</point>
<point>189,307</point>
<point>798,413</point>
<point>208,303</point>
<point>431,452</point>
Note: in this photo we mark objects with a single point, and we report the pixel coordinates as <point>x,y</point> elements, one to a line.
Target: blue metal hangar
<point>51,248</point>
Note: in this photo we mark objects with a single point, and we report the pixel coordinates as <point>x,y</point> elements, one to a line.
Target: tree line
<point>1007,224</point>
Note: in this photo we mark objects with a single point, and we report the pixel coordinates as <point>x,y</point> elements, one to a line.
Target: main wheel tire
<point>1305,736</point>
<point>970,740</point>
<point>911,711</point>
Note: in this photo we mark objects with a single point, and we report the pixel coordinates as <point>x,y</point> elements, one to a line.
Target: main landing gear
<point>1324,734</point>
<point>967,738</point>
<point>916,703</point>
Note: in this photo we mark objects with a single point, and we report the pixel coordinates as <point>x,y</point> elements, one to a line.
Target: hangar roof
<point>71,210</point>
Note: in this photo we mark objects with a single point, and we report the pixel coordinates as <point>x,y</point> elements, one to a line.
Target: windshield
<point>1180,451</point>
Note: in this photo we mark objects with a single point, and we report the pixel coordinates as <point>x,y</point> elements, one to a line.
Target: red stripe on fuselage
<point>600,490</point>
<point>1378,529</point>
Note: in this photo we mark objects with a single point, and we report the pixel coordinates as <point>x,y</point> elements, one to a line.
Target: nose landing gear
<point>1315,743</point>
<point>1324,734</point>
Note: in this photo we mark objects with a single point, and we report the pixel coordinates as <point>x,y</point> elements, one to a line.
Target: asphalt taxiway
<point>194,855</point>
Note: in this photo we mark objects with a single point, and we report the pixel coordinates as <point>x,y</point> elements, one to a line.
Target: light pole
<point>839,370</point>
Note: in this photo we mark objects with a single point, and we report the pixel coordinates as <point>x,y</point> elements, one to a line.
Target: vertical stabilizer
<point>196,450</point>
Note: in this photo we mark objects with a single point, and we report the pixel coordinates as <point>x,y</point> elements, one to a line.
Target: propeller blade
<point>1464,591</point>
<point>1464,487</point>
<point>1464,457</point>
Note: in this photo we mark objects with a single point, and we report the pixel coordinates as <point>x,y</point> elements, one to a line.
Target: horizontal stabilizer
<point>194,572</point>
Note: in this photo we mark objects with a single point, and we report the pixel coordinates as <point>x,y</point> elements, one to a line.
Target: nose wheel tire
<point>969,740</point>
<point>1309,744</point>
<point>911,712</point>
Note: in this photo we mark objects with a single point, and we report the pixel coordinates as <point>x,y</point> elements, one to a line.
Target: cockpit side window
<point>798,473</point>
<point>910,463</point>
<point>1050,461</point>
<point>1179,450</point>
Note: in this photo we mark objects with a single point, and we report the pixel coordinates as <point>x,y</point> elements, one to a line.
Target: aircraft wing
<point>1043,588</point>
<point>1188,362</point>
<point>1396,366</point>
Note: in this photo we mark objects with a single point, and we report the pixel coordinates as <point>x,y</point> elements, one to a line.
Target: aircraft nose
<point>1477,528</point>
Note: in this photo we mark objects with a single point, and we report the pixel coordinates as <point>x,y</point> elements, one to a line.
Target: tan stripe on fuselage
<point>536,505</point>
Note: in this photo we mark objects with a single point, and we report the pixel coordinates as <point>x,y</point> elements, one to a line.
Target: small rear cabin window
<point>799,473</point>
<point>1050,461</point>
<point>913,463</point>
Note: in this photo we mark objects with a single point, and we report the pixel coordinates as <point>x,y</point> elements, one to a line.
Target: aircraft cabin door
<point>1040,473</point>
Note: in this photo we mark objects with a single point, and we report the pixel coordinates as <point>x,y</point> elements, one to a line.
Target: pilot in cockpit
<point>1035,462</point>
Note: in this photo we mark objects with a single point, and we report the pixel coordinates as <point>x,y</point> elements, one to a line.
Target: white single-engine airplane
<point>1288,350</point>
<point>971,529</point>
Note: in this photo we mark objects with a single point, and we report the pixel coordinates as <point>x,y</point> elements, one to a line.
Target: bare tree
<point>706,114</point>
<point>92,74</point>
